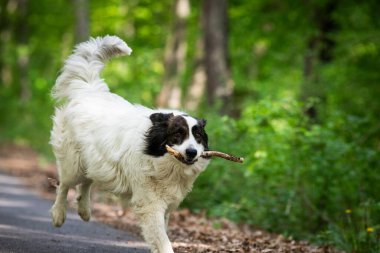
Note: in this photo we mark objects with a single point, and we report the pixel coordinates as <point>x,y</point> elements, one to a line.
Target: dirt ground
<point>189,232</point>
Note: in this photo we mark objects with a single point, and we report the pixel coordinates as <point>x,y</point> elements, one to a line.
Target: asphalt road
<point>25,226</point>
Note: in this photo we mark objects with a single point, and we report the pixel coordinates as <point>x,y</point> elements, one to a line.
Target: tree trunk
<point>175,52</point>
<point>82,20</point>
<point>197,87</point>
<point>4,40</point>
<point>22,49</point>
<point>319,52</point>
<point>218,82</point>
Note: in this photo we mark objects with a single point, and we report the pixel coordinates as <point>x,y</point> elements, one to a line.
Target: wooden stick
<point>174,152</point>
<point>206,154</point>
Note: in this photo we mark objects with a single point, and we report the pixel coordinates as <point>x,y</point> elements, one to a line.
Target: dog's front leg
<point>167,216</point>
<point>152,222</point>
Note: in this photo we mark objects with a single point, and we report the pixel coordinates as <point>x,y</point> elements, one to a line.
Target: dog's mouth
<point>180,157</point>
<point>186,161</point>
<point>190,162</point>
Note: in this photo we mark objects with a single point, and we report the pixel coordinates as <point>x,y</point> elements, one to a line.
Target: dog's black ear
<point>202,122</point>
<point>159,117</point>
<point>203,135</point>
<point>156,136</point>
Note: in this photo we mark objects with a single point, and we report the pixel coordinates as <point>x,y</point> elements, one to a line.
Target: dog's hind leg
<point>83,199</point>
<point>58,211</point>
<point>69,175</point>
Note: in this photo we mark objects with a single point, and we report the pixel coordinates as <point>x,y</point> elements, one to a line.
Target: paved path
<point>25,226</point>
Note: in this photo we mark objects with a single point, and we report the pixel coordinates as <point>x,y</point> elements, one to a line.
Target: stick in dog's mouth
<point>205,154</point>
<point>178,155</point>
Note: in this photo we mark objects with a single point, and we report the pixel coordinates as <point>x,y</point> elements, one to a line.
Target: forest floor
<point>189,232</point>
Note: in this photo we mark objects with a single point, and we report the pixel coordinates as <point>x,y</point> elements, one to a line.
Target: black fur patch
<point>200,133</point>
<point>157,135</point>
<point>178,130</point>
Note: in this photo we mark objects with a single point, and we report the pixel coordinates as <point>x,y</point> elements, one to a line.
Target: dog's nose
<point>191,153</point>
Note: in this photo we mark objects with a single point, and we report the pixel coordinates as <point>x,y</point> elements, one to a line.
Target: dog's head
<point>182,132</point>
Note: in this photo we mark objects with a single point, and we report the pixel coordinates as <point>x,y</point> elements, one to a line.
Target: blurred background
<point>293,86</point>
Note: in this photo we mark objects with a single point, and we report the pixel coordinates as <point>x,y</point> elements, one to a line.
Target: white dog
<point>98,137</point>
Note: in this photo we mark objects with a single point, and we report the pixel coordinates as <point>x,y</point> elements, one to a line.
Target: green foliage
<point>315,179</point>
<point>297,177</point>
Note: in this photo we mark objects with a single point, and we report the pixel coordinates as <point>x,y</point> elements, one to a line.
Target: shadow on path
<point>25,226</point>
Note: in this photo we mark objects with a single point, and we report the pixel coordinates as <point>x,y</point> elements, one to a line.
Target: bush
<point>298,177</point>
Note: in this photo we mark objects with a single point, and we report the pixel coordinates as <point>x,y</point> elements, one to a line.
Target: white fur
<point>98,137</point>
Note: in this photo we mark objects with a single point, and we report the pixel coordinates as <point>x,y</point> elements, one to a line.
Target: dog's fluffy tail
<point>81,70</point>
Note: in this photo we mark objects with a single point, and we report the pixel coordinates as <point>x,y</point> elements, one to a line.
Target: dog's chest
<point>171,190</point>
<point>171,180</point>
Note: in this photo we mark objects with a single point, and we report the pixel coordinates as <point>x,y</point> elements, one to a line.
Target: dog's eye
<point>196,132</point>
<point>177,136</point>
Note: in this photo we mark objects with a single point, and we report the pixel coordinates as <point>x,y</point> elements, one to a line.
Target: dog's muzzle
<point>189,158</point>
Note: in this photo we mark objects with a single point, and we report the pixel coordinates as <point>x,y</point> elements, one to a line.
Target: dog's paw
<point>84,212</point>
<point>58,215</point>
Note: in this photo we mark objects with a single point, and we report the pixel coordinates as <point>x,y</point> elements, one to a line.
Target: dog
<point>100,138</point>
